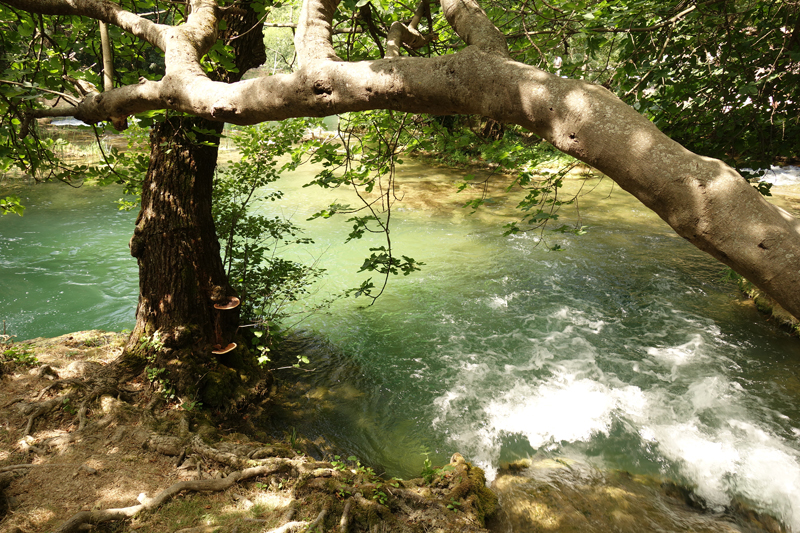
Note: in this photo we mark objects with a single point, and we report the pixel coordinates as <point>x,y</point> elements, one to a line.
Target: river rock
<point>546,495</point>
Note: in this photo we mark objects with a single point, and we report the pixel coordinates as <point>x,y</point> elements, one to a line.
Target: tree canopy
<point>693,68</point>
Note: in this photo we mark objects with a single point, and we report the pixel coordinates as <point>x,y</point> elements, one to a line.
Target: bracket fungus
<point>219,350</point>
<point>232,302</point>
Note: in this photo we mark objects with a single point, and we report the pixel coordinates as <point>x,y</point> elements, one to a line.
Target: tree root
<point>289,527</point>
<point>362,502</point>
<point>35,410</point>
<point>94,388</point>
<point>199,529</point>
<point>145,503</point>
<point>12,402</point>
<point>344,522</point>
<point>319,519</point>
<point>15,468</point>
<point>60,384</point>
<point>346,500</point>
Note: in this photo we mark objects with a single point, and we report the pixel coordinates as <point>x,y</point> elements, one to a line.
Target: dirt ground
<point>67,456</point>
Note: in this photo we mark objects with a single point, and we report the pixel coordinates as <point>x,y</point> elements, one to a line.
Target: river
<point>625,350</point>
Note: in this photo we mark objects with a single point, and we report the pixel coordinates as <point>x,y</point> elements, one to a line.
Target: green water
<point>65,264</point>
<point>625,350</point>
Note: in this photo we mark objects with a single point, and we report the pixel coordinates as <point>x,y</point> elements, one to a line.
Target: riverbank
<point>143,464</point>
<point>135,462</point>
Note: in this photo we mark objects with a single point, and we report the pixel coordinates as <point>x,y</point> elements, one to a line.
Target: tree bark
<point>181,275</point>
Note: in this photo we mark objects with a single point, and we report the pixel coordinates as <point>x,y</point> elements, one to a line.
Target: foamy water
<point>788,175</point>
<point>676,407</point>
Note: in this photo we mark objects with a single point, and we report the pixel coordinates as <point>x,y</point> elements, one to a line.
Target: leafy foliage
<point>11,204</point>
<point>41,66</point>
<point>371,143</point>
<point>15,353</point>
<point>252,242</point>
<point>724,80</point>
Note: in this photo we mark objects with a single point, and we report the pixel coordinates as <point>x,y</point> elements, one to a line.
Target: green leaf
<point>11,204</point>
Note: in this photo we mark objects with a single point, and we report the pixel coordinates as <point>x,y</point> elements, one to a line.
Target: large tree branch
<point>188,43</point>
<point>101,10</point>
<point>313,39</point>
<point>471,24</point>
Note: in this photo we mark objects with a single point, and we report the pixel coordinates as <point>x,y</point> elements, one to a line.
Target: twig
<point>66,96</point>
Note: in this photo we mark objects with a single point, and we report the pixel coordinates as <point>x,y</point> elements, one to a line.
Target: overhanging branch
<point>471,24</point>
<point>102,10</point>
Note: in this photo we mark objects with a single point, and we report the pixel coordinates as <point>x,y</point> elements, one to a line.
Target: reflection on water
<point>624,351</point>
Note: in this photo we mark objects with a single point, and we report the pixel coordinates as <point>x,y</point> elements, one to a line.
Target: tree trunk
<point>181,276</point>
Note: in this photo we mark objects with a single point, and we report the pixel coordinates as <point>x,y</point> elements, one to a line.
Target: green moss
<point>469,488</point>
<point>218,386</point>
<point>765,304</point>
<point>481,497</point>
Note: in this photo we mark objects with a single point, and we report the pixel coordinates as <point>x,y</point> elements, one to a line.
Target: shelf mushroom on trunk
<point>232,302</point>
<point>225,304</point>
<point>219,350</point>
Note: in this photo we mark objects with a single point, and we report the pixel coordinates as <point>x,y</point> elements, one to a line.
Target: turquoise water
<point>625,349</point>
<point>65,264</point>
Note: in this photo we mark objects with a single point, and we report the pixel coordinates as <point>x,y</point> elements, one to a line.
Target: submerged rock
<point>567,496</point>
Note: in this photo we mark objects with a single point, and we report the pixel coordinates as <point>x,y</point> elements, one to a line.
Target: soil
<point>78,452</point>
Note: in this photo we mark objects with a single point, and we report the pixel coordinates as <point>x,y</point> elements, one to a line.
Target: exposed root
<point>199,529</point>
<point>60,384</point>
<point>90,418</point>
<point>45,371</point>
<point>205,485</point>
<point>344,521</point>
<point>23,467</point>
<point>311,481</point>
<point>290,527</point>
<point>12,402</point>
<point>102,389</point>
<point>83,394</point>
<point>35,410</point>
<point>318,521</point>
